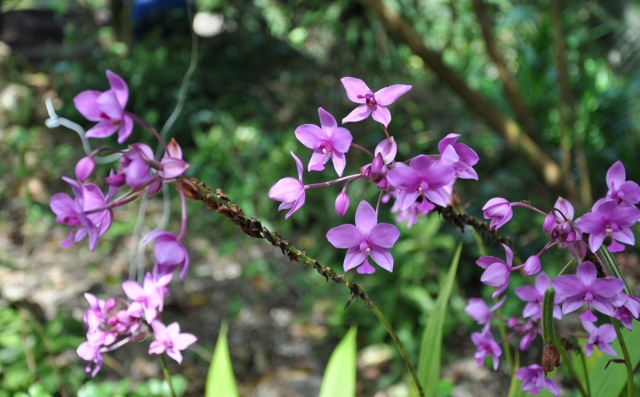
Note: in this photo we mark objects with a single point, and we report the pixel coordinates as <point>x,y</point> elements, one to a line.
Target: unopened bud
<point>532,266</point>
<point>342,204</point>
<point>85,168</point>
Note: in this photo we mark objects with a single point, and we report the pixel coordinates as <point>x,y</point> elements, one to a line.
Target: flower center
<point>370,100</point>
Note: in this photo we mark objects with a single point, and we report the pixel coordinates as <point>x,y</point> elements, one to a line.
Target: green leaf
<point>340,376</point>
<point>611,381</point>
<point>220,380</point>
<point>431,345</point>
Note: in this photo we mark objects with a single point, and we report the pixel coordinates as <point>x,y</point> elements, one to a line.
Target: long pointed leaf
<point>220,380</point>
<point>340,376</point>
<point>611,381</point>
<point>431,345</point>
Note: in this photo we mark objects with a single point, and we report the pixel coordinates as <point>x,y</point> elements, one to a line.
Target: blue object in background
<point>167,15</point>
<point>144,10</point>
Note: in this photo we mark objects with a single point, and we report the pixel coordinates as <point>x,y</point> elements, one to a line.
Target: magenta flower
<point>367,237</point>
<point>627,308</point>
<point>171,164</point>
<point>586,287</point>
<point>478,310</point>
<point>626,193</point>
<point>376,171</point>
<point>423,177</point>
<point>169,253</point>
<point>327,141</point>
<point>289,191</point>
<point>90,352</point>
<point>107,108</point>
<point>533,380</point>
<point>534,295</point>
<point>467,157</point>
<point>608,219</point>
<point>497,271</point>
<point>486,346</point>
<point>499,211</point>
<point>169,340</point>
<point>529,330</point>
<point>73,212</point>
<point>99,311</point>
<point>600,336</point>
<point>374,104</point>
<point>134,165</point>
<point>148,298</point>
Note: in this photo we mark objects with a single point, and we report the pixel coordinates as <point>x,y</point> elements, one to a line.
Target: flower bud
<point>85,168</point>
<point>512,322</point>
<point>532,266</point>
<point>342,204</point>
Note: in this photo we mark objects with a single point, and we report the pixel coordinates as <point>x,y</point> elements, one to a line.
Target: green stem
<point>403,352</point>
<point>627,358</point>
<point>586,374</point>
<point>167,375</point>
<point>570,368</point>
<point>514,380</point>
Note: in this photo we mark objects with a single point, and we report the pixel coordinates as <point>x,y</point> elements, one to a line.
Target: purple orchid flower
<point>73,212</point>
<point>91,353</point>
<point>486,346</point>
<point>374,104</point>
<point>499,211</point>
<point>168,339</point>
<point>134,165</point>
<point>561,227</point>
<point>627,309</point>
<point>376,171</point>
<point>171,164</point>
<point>529,330</point>
<point>497,271</point>
<point>99,311</point>
<point>169,253</point>
<point>600,336</point>
<point>609,219</point>
<point>423,177</point>
<point>467,157</point>
<point>367,237</point>
<point>107,108</point>
<point>534,295</point>
<point>533,380</point>
<point>289,191</point>
<point>626,193</point>
<point>586,287</point>
<point>478,310</point>
<point>327,141</point>
<point>148,298</point>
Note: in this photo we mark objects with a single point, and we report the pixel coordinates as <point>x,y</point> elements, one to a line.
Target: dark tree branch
<point>567,109</point>
<point>509,84</point>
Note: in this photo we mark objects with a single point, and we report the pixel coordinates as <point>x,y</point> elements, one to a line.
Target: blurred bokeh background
<point>570,110</point>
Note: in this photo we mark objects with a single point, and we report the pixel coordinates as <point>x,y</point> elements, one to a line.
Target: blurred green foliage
<point>270,71</point>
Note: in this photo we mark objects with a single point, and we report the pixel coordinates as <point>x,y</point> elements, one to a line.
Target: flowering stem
<point>513,389</point>
<point>167,375</point>
<point>386,131</point>
<point>627,358</point>
<point>586,374</point>
<point>355,145</point>
<point>183,204</point>
<point>329,183</point>
<point>403,352</point>
<point>572,371</point>
<point>144,124</point>
<point>526,205</point>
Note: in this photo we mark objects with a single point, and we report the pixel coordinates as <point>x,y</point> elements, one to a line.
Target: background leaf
<point>220,380</point>
<point>611,381</point>
<point>340,376</point>
<point>431,345</point>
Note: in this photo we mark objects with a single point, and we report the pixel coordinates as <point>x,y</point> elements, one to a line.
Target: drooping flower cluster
<point>611,217</point>
<point>90,214</point>
<point>110,327</point>
<point>416,188</point>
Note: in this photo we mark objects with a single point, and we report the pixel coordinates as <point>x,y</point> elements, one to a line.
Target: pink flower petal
<point>357,114</point>
<point>355,87</point>
<point>388,95</point>
<point>119,88</point>
<point>366,217</point>
<point>87,104</point>
<point>382,115</point>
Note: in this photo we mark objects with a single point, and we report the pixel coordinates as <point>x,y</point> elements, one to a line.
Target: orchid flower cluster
<point>610,218</point>
<point>416,185</point>
<point>90,213</point>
